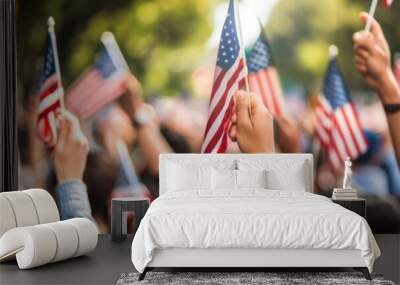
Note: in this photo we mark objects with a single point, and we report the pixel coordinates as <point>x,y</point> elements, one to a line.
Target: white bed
<point>201,223</point>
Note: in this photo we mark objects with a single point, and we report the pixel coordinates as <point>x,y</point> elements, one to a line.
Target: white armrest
<point>40,244</point>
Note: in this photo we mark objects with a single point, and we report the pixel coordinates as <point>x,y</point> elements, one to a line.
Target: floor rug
<point>243,278</point>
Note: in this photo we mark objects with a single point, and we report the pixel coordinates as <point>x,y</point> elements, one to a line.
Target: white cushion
<point>188,177</point>
<point>278,181</point>
<point>23,208</point>
<point>40,244</point>
<point>223,179</point>
<point>66,237</point>
<point>45,205</point>
<point>7,218</point>
<point>251,178</point>
<point>281,174</point>
<point>87,235</point>
<point>26,208</point>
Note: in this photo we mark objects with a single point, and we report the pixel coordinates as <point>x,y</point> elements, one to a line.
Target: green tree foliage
<point>301,32</point>
<point>161,40</point>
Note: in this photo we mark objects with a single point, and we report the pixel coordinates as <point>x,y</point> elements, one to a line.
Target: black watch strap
<point>391,108</point>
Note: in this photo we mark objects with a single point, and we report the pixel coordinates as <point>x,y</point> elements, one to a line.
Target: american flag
<point>50,97</point>
<point>100,84</point>
<point>338,127</point>
<point>263,77</point>
<point>229,76</point>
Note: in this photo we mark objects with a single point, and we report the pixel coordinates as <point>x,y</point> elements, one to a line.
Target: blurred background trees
<point>161,40</point>
<point>301,32</point>
<point>164,41</point>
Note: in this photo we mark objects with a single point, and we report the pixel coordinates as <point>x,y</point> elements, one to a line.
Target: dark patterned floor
<point>243,278</point>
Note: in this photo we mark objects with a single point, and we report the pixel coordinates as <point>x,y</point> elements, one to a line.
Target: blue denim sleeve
<point>73,200</point>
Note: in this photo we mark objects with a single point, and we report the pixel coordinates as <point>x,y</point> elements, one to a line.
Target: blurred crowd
<point>115,153</point>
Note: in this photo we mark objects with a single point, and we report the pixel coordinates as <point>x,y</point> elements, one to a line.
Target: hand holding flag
<point>372,56</point>
<point>71,149</point>
<point>254,133</point>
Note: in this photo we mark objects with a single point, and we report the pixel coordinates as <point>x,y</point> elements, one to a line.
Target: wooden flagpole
<point>246,78</point>
<point>52,34</point>
<point>371,13</point>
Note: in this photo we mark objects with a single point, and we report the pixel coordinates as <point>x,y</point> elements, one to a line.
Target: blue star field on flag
<point>335,89</point>
<point>229,46</point>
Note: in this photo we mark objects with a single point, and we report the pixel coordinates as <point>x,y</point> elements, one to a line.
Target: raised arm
<point>372,59</point>
<point>150,140</point>
<point>70,154</point>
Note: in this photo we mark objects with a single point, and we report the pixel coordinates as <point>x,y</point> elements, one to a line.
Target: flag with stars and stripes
<point>229,76</point>
<point>338,127</point>
<point>50,97</point>
<point>263,77</point>
<point>100,84</point>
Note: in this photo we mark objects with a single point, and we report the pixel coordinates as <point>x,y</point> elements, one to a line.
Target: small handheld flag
<point>101,83</point>
<point>263,77</point>
<point>229,77</point>
<point>338,127</point>
<point>51,95</point>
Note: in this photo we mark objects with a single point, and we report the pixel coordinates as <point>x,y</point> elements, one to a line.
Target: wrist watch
<point>391,108</point>
<point>141,118</point>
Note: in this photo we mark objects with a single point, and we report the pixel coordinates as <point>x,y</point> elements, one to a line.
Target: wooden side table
<point>357,206</point>
<point>119,211</point>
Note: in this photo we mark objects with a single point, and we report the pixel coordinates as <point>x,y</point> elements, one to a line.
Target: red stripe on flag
<point>353,136</point>
<point>217,83</point>
<point>273,92</point>
<point>221,129</point>
<point>53,107</point>
<point>225,126</point>
<point>48,91</point>
<point>357,119</point>
<point>221,102</point>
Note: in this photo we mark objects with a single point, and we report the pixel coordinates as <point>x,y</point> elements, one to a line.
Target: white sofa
<point>31,231</point>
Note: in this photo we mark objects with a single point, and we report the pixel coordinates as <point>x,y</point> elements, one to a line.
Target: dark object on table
<point>120,208</point>
<point>356,205</point>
